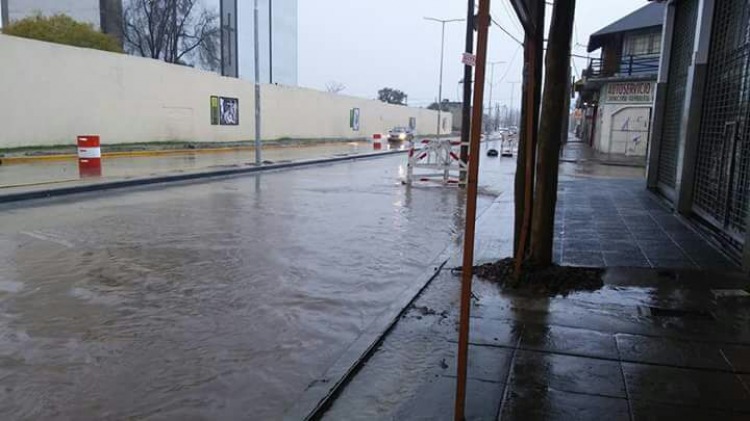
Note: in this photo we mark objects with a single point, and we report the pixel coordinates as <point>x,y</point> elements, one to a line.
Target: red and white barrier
<point>377,143</point>
<point>89,156</point>
<point>435,155</point>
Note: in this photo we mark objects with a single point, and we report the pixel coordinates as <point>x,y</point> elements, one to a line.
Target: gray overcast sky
<point>369,44</point>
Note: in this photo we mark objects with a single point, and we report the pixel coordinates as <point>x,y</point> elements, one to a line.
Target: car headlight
<point>402,136</point>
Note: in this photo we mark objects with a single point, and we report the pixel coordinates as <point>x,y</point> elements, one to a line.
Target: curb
<point>11,160</point>
<point>144,181</point>
<point>322,393</point>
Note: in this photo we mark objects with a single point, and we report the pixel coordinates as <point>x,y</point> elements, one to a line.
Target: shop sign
<point>630,92</point>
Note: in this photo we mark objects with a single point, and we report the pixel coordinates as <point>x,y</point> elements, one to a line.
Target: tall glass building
<point>277,38</point>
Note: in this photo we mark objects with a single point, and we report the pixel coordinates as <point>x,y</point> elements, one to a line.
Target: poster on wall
<point>230,111</point>
<point>225,111</point>
<point>354,119</point>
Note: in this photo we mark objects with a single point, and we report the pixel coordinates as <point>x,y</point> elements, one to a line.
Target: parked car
<point>400,134</point>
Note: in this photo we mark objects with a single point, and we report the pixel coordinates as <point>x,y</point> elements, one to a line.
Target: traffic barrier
<point>89,156</point>
<point>435,155</point>
<point>377,143</point>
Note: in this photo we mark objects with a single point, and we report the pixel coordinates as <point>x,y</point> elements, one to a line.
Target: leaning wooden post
<point>483,24</point>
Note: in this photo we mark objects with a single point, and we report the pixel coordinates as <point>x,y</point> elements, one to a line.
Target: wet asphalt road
<point>215,300</point>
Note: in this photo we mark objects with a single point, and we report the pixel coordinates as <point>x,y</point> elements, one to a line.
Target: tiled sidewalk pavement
<point>618,223</point>
<point>651,345</point>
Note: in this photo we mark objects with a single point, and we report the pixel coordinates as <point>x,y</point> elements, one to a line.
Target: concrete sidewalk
<point>653,343</point>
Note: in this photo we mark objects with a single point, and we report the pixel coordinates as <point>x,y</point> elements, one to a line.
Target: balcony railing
<point>628,66</point>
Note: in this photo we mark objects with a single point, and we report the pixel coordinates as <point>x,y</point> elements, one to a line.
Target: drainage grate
<point>692,314</point>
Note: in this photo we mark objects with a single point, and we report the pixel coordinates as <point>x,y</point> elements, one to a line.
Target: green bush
<point>62,29</point>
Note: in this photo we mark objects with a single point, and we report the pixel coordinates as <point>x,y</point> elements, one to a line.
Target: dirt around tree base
<point>551,281</point>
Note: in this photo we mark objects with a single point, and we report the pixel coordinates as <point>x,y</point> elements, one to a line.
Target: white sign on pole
<point>469,59</point>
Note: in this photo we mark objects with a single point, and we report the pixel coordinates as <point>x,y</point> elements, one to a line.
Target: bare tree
<point>334,87</point>
<point>175,31</point>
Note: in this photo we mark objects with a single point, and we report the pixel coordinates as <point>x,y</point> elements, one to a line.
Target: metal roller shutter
<point>723,161</point>
<point>682,48</point>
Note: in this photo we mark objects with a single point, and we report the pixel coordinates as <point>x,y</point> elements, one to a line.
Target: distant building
<point>105,15</point>
<point>277,39</point>
<point>617,89</point>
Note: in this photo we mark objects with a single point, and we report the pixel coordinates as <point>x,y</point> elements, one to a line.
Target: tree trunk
<point>532,79</point>
<point>533,54</point>
<point>553,113</point>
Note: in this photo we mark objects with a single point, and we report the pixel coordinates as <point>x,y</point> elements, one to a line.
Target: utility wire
<point>513,21</point>
<point>506,32</point>
<point>510,65</point>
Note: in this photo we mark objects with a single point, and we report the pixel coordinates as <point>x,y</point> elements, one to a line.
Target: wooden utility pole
<point>551,126</point>
<point>483,25</point>
<point>468,73</point>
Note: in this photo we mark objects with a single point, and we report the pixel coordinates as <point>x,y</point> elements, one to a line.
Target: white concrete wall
<point>50,93</point>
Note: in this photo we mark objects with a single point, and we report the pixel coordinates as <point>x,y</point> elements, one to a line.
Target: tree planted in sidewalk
<point>62,29</point>
<point>550,132</point>
<point>392,96</point>
<point>176,31</point>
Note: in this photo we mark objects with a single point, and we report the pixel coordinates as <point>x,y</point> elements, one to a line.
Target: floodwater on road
<point>220,299</point>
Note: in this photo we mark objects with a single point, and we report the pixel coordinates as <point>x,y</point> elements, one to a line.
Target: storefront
<point>624,118</point>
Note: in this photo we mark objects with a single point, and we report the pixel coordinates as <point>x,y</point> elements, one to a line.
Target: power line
<point>506,32</point>
<point>513,21</point>
<point>510,65</point>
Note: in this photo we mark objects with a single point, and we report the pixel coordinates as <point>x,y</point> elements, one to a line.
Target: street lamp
<point>442,53</point>
<point>512,100</point>
<point>492,83</point>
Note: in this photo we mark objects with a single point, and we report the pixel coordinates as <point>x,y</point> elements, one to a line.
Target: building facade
<point>277,40</point>
<point>104,15</point>
<point>700,157</point>
<point>617,89</point>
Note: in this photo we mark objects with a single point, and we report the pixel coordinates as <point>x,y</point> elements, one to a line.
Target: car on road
<point>397,134</point>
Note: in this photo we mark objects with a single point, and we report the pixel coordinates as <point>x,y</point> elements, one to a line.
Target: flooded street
<point>221,299</point>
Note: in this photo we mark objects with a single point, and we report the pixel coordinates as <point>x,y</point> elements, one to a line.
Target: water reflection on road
<point>220,300</point>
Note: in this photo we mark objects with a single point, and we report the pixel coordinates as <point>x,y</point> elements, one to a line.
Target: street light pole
<point>492,84</point>
<point>270,42</point>
<point>442,54</point>
<point>512,99</point>
<point>258,159</point>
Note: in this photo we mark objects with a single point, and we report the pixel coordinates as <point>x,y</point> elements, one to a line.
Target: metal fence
<point>642,65</point>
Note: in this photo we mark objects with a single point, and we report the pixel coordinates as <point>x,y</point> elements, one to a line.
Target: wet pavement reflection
<point>651,344</point>
<point>219,299</point>
<point>56,171</point>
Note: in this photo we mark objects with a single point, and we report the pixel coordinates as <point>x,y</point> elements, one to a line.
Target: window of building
<point>642,44</point>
